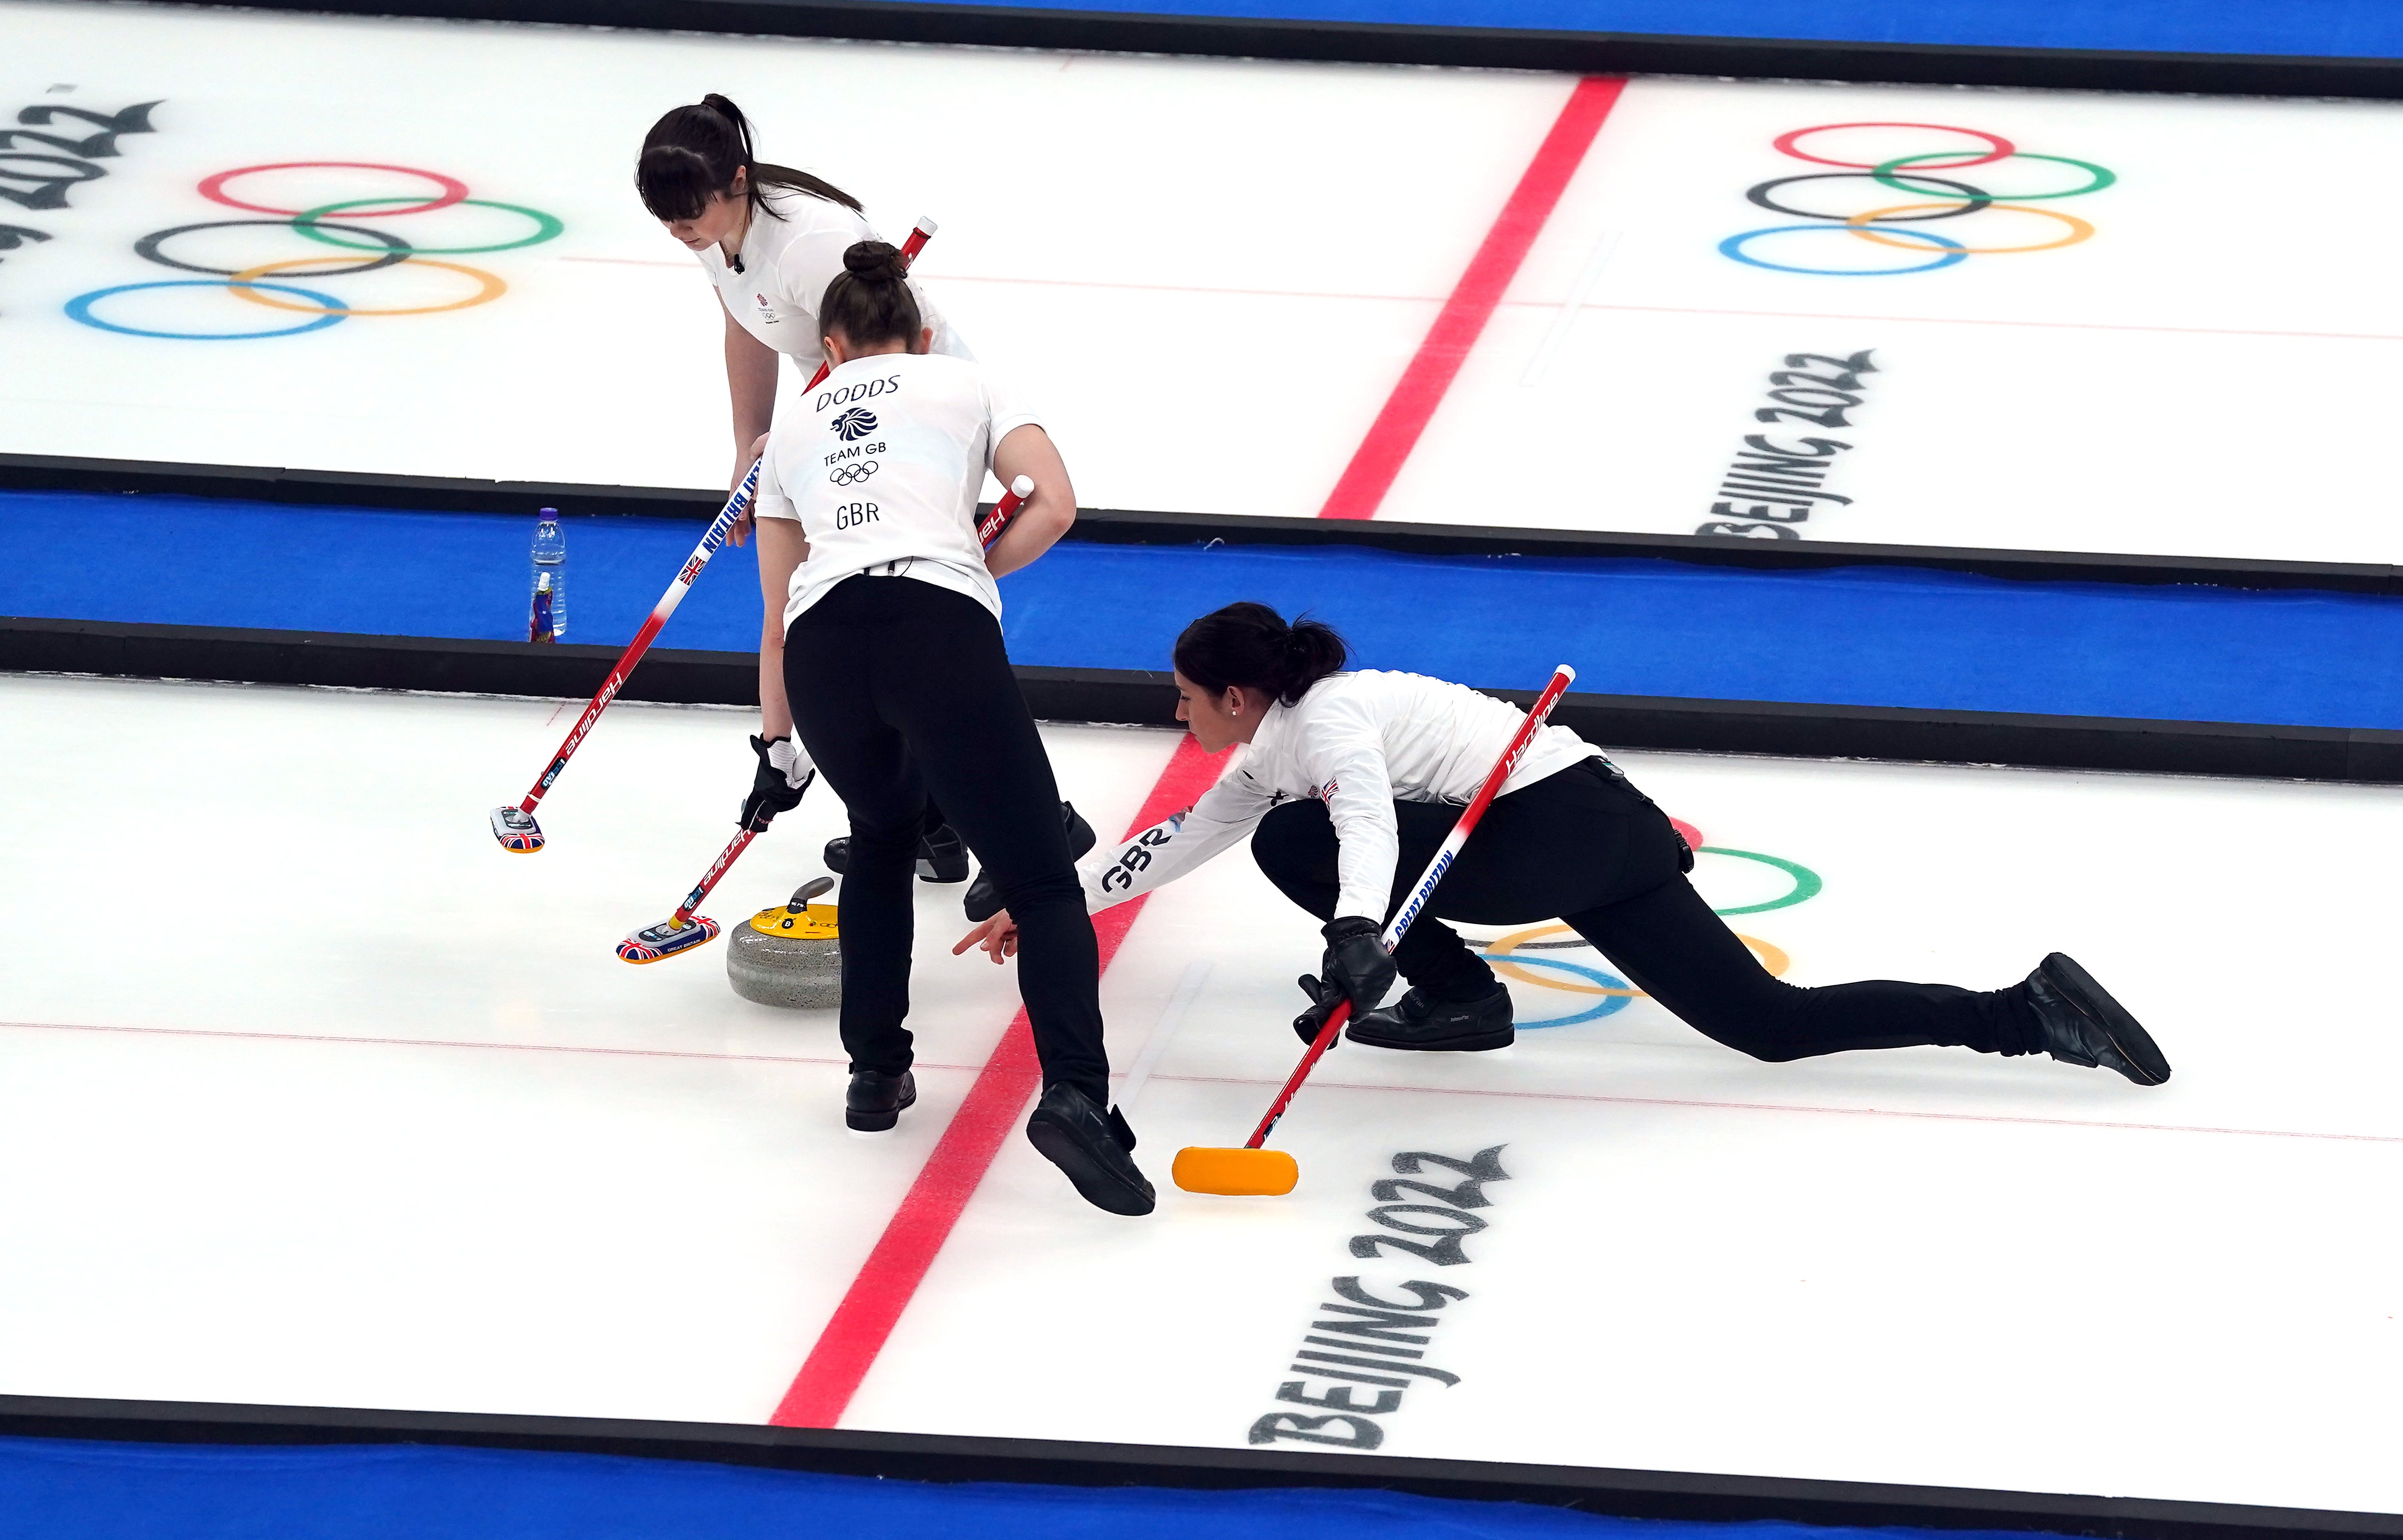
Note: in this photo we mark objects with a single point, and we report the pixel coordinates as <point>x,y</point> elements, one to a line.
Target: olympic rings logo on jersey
<point>1929,178</point>
<point>852,473</point>
<point>1508,953</point>
<point>375,248</point>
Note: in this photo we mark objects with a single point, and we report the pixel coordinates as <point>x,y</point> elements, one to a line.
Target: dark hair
<point>694,151</point>
<point>869,300</point>
<point>1250,644</point>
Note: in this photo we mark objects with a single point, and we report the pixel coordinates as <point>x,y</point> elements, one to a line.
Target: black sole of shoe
<point>875,1122</point>
<point>1478,1042</point>
<point>2128,1038</point>
<point>1095,1183</point>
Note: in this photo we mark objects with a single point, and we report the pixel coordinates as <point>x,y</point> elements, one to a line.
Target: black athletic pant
<point>900,690</point>
<point>1586,846</point>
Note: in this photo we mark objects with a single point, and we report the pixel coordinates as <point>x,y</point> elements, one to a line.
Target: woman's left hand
<point>740,534</point>
<point>998,935</point>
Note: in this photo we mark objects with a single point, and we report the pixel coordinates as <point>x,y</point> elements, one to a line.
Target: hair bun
<point>874,260</point>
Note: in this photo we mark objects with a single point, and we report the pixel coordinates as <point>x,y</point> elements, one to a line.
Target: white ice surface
<point>312,1095</point>
<point>1212,272</point>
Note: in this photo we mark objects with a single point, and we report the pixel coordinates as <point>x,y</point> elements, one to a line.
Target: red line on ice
<point>1422,387</point>
<point>865,1320</point>
<point>497,1046</point>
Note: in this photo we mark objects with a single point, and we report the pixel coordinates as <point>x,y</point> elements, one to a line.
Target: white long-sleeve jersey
<point>773,285</point>
<point>1358,743</point>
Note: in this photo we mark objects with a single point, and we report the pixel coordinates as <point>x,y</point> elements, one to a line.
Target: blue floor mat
<point>1864,636</point>
<point>77,1490</point>
<point>2357,29</point>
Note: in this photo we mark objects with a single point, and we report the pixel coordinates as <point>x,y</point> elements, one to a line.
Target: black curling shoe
<point>1091,1147</point>
<point>2083,1025</point>
<point>876,1101</point>
<point>1419,1021</point>
<point>984,900</point>
<point>941,858</point>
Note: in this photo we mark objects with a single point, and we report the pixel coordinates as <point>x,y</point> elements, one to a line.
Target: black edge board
<point>1585,52</point>
<point>922,1457</point>
<point>353,489</point>
<point>243,656</point>
<point>1147,698</point>
<point>1114,526</point>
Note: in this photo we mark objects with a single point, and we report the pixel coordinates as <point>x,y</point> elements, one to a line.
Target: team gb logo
<point>859,422</point>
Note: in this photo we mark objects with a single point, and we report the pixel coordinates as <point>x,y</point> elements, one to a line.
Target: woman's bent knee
<point>1295,843</point>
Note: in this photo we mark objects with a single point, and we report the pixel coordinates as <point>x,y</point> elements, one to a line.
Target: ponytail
<point>869,300</point>
<point>1250,644</point>
<point>693,153</point>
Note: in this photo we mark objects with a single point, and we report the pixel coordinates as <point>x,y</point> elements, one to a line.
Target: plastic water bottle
<point>549,582</point>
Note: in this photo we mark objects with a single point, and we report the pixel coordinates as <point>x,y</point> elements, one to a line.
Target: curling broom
<point>1257,1172</point>
<point>685,930</point>
<point>515,827</point>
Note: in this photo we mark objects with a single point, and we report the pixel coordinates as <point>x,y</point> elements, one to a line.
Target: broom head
<point>516,831</point>
<point>667,938</point>
<point>1235,1173</point>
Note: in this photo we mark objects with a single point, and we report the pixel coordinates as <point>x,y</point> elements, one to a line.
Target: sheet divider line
<point>1427,377</point>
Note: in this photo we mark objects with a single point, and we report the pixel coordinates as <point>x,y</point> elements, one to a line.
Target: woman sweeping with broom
<point>900,690</point>
<point>1353,780</point>
<point>770,239</point>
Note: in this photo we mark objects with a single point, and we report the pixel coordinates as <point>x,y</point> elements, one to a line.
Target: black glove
<point>1356,967</point>
<point>784,772</point>
<point>1324,998</point>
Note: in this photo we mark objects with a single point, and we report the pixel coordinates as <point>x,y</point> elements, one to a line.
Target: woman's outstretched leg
<point>1671,945</point>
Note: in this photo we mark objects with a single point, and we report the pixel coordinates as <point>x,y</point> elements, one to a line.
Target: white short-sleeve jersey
<point>784,268</point>
<point>1358,743</point>
<point>882,467</point>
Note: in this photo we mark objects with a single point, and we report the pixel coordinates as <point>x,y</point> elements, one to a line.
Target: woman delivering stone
<point>771,240</point>
<point>901,688</point>
<point>1353,780</point>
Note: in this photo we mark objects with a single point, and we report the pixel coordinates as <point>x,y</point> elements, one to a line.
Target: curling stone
<point>788,955</point>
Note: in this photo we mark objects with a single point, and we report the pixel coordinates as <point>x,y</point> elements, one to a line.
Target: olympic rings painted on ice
<point>2079,229</point>
<point>1999,147</point>
<point>79,308</point>
<point>2098,178</point>
<point>310,222</point>
<point>1760,194</point>
<point>491,287</point>
<point>1806,882</point>
<point>394,248</point>
<point>453,190</point>
<point>1948,253</point>
<point>1945,197</point>
<point>380,247</point>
